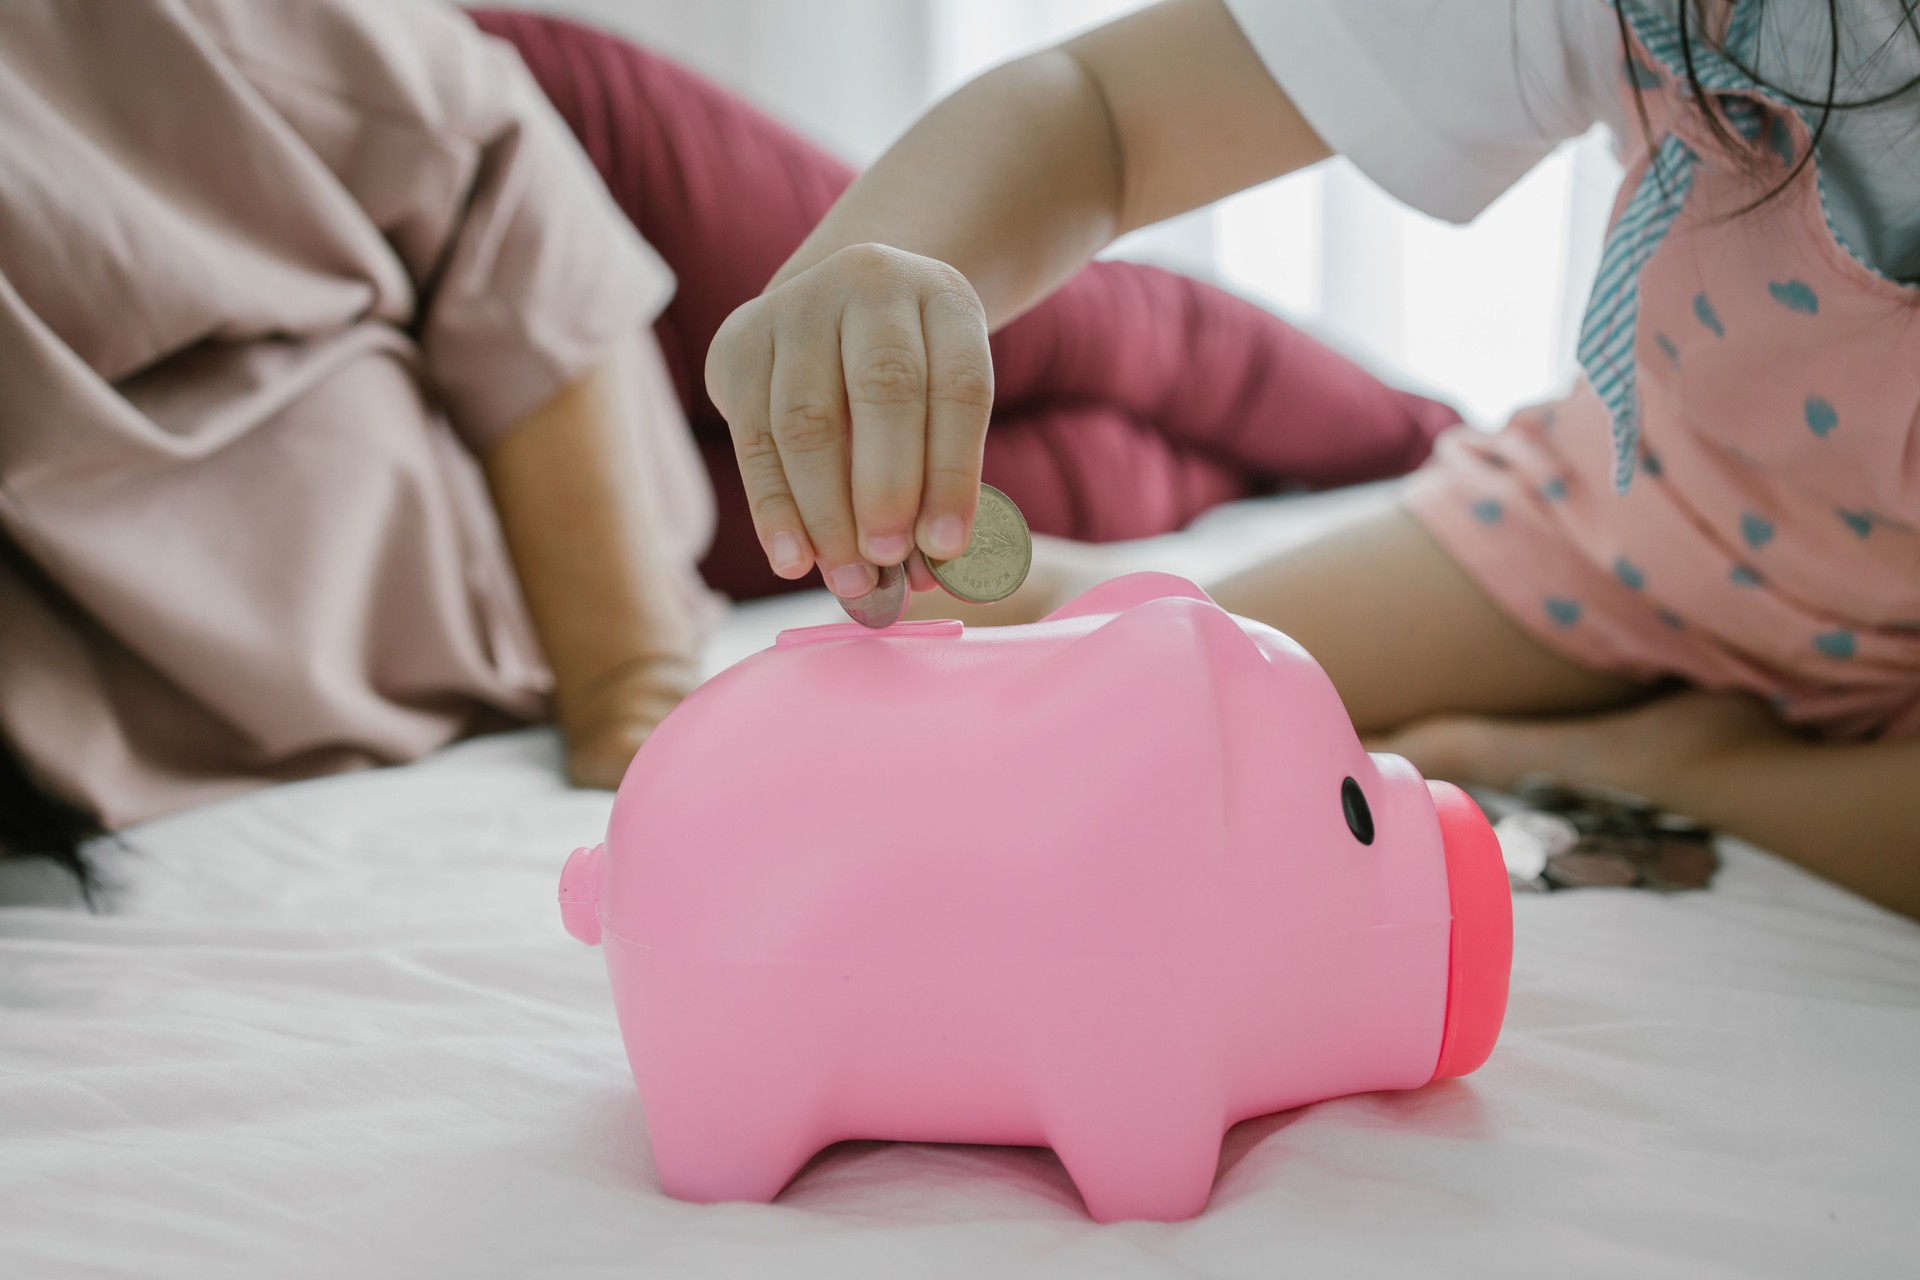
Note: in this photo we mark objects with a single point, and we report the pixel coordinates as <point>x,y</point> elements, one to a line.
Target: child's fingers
<point>739,375</point>
<point>884,362</point>
<point>919,577</point>
<point>959,401</point>
<point>807,409</point>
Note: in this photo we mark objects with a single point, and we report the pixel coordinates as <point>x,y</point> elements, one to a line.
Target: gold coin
<point>996,561</point>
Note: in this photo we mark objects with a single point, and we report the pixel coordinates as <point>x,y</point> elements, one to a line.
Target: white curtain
<point>1483,316</point>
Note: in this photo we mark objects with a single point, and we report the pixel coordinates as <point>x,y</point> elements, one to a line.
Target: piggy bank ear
<point>1176,650</point>
<point>1117,595</point>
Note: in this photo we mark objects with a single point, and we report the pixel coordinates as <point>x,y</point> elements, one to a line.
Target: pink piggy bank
<point>1108,883</point>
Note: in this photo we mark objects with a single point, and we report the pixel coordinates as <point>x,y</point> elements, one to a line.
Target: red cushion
<point>1126,404</point>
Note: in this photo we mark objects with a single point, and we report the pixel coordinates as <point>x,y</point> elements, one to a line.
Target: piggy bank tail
<point>580,893</point>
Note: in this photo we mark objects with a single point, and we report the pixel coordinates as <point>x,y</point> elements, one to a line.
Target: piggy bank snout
<point>580,893</point>
<point>1480,959</point>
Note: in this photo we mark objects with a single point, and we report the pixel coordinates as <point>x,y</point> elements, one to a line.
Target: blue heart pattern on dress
<point>1554,490</point>
<point>1563,611</point>
<point>1821,418</point>
<point>1836,644</point>
<point>1671,618</point>
<point>1708,316</point>
<point>1629,573</point>
<point>1861,522</point>
<point>1650,463</point>
<point>1756,529</point>
<point>1745,575</point>
<point>1667,346</point>
<point>1487,511</point>
<point>1795,295</point>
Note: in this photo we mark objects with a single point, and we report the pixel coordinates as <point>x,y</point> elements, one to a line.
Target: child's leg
<point>1405,634</point>
<point>1401,630</point>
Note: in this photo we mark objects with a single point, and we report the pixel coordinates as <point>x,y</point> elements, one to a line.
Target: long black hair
<point>1825,105</point>
<point>36,820</point>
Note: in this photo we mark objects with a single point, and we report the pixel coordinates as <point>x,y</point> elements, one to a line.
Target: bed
<point>336,1029</point>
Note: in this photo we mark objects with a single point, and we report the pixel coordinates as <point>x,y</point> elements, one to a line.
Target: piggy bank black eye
<point>1353,801</point>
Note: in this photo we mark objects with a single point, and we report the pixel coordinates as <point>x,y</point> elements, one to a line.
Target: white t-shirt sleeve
<point>1445,103</point>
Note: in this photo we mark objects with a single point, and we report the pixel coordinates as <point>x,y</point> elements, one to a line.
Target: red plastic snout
<point>1480,961</point>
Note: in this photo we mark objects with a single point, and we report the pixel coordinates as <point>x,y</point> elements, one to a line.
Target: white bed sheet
<point>335,1029</point>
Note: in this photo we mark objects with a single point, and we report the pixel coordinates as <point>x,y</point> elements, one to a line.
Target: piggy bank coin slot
<point>929,629</point>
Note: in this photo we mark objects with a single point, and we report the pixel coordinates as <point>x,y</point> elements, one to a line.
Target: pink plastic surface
<point>1086,884</point>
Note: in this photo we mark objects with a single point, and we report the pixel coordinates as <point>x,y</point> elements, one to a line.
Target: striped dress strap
<point>1609,330</point>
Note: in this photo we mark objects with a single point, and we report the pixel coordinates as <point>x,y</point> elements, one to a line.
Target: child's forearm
<point>1848,811</point>
<point>1021,176</point>
<point>876,329</point>
<point>607,598</point>
<point>1013,181</point>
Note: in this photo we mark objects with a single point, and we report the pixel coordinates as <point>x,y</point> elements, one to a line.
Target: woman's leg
<point>1403,633</point>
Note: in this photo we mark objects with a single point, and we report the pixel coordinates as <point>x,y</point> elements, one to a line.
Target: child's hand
<point>858,394</point>
<point>605,722</point>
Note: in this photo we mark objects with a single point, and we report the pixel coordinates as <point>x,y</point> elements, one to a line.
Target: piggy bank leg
<point>1139,1152</point>
<point>729,1121</point>
<point>731,1148</point>
<point>731,1092</point>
